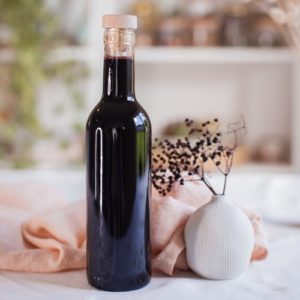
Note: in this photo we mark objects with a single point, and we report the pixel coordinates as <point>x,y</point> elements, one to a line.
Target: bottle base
<point>137,283</point>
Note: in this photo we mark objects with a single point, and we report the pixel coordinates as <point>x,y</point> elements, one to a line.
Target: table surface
<point>278,276</point>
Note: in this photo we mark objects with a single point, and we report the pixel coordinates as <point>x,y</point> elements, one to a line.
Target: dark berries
<point>180,159</point>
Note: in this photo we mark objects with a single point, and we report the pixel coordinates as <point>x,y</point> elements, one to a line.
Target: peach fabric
<point>38,231</point>
<point>42,232</point>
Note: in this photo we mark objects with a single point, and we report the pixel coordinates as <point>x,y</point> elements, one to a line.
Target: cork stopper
<point>119,21</point>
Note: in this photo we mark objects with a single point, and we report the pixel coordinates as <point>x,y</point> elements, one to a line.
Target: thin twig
<point>224,185</point>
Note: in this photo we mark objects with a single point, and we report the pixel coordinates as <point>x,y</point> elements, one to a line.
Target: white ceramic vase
<point>219,240</point>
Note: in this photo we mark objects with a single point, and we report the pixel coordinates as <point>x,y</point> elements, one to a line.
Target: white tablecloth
<point>278,277</point>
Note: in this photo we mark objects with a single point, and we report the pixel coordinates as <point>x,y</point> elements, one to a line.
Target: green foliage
<point>31,30</point>
<point>33,35</point>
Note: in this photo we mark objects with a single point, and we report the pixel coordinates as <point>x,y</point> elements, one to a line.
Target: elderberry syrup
<point>118,142</point>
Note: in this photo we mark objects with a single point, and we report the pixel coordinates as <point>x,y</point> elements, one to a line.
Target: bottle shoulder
<point>109,113</point>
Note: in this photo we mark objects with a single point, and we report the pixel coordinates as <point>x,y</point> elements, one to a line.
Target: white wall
<point>260,93</point>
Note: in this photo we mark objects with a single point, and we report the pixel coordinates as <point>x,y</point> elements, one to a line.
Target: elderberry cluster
<point>185,159</point>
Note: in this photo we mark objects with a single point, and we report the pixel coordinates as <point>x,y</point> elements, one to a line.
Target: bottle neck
<point>119,73</point>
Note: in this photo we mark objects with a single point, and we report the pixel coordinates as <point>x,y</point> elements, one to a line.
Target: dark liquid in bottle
<point>118,137</point>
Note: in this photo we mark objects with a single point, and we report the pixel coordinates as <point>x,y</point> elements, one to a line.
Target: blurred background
<point>199,59</point>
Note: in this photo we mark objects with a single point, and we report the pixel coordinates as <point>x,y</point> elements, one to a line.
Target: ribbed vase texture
<point>219,240</point>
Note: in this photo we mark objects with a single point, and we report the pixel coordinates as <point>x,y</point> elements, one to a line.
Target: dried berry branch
<point>186,159</point>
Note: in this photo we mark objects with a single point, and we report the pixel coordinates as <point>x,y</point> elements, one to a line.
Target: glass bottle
<point>118,140</point>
